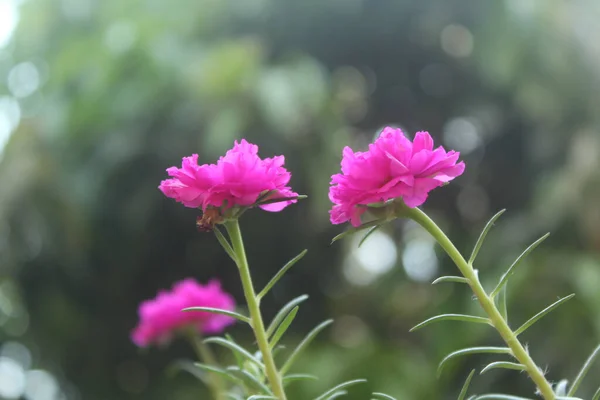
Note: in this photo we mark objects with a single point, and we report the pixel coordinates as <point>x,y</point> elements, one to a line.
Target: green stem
<point>215,383</point>
<point>487,303</point>
<point>233,228</point>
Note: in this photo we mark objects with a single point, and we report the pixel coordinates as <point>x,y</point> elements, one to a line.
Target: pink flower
<point>239,178</point>
<point>161,317</point>
<point>393,167</point>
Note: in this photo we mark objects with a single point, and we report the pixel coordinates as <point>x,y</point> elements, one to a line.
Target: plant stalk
<point>215,383</point>
<point>235,235</point>
<point>487,303</point>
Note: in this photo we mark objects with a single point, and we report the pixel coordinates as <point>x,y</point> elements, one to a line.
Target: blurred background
<point>98,98</point>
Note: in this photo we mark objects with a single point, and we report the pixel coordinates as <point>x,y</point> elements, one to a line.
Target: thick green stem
<point>233,228</point>
<point>487,303</point>
<point>215,383</point>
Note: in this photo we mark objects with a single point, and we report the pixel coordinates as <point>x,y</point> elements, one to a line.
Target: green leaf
<point>596,395</point>
<point>283,313</point>
<point>187,366</point>
<point>364,238</point>
<point>503,364</point>
<point>499,397</point>
<point>233,314</point>
<point>218,371</point>
<point>281,272</point>
<point>382,396</point>
<point>583,372</point>
<point>283,327</point>
<point>465,388</point>
<point>261,397</point>
<point>303,344</point>
<point>511,269</point>
<point>250,380</point>
<point>297,377</point>
<point>277,349</point>
<point>452,317</point>
<point>542,313</point>
<point>235,348</point>
<point>472,350</point>
<point>238,358</point>
<point>364,226</point>
<point>457,279</point>
<point>483,234</point>
<point>340,387</point>
<point>337,394</point>
<point>225,244</point>
<point>502,303</point>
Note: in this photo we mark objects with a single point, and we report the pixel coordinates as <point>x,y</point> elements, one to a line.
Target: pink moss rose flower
<point>160,318</point>
<point>239,178</point>
<point>393,167</point>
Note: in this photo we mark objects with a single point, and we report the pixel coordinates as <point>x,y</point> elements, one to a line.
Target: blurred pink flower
<point>239,178</point>
<point>162,317</point>
<point>393,167</point>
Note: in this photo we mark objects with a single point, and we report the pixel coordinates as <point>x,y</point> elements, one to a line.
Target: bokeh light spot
<point>23,79</point>
<point>457,41</point>
<point>41,385</point>
<point>376,256</point>
<point>461,134</point>
<point>9,17</point>
<point>419,260</point>
<point>12,379</point>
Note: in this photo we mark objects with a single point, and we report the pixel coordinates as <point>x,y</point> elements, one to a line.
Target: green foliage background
<point>126,88</point>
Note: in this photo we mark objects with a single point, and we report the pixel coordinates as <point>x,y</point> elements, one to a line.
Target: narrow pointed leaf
<point>451,317</point>
<point>225,243</point>
<point>250,380</point>
<point>336,395</point>
<point>364,238</point>
<point>238,358</point>
<point>382,396</point>
<point>364,226</point>
<point>596,395</point>
<point>500,397</point>
<point>234,347</point>
<point>502,303</point>
<point>511,269</point>
<point>218,371</point>
<point>233,314</point>
<point>277,350</point>
<point>457,279</point>
<point>503,364</point>
<point>473,350</point>
<point>186,366</point>
<point>339,387</point>
<point>283,313</point>
<point>583,372</point>
<point>483,234</point>
<point>298,377</point>
<point>303,344</point>
<point>465,388</point>
<point>542,313</point>
<point>285,324</point>
<point>281,272</point>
